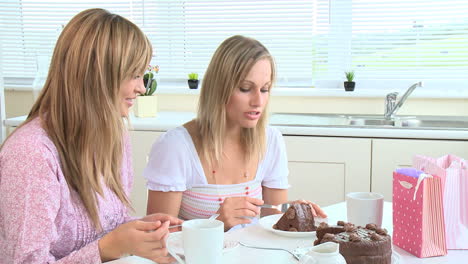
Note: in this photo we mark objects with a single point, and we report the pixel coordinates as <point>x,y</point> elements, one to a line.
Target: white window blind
<point>310,40</point>
<point>387,39</point>
<point>186,33</point>
<point>29,30</point>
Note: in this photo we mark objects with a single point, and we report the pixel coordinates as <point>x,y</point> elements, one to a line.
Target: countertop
<point>167,120</point>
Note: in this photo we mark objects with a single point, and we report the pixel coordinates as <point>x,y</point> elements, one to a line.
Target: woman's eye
<point>244,90</point>
<point>265,90</point>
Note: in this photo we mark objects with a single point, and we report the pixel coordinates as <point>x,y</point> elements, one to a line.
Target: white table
<point>255,234</point>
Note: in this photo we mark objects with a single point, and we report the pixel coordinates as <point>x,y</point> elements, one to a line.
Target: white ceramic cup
<point>364,208</point>
<point>203,241</point>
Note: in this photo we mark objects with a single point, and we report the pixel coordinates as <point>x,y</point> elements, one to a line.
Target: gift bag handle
<point>421,177</point>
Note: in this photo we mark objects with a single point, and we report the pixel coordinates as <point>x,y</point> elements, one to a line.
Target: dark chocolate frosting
<point>298,218</point>
<point>363,245</point>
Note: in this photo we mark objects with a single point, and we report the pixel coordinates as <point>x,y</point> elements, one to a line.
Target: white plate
<point>302,251</point>
<point>267,223</point>
<point>175,244</point>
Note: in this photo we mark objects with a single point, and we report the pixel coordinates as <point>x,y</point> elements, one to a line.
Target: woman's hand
<point>316,210</point>
<point>163,218</point>
<point>238,210</point>
<point>140,238</point>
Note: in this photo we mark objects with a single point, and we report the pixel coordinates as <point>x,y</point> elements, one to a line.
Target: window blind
<point>310,40</point>
<point>185,34</point>
<point>29,30</point>
<point>399,39</point>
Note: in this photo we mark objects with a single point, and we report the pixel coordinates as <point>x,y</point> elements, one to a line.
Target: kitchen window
<point>384,41</point>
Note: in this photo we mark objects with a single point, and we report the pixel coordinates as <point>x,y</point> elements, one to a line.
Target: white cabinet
<point>141,146</point>
<point>324,169</point>
<point>389,154</point>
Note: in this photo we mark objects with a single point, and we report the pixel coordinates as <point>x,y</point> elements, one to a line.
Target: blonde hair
<point>79,105</point>
<point>229,66</point>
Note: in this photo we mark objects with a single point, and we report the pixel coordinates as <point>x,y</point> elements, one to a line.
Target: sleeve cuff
<point>165,188</point>
<point>276,184</point>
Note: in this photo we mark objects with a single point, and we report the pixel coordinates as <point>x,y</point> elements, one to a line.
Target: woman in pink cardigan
<point>66,172</point>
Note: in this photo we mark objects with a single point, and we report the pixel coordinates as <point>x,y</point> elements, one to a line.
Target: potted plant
<point>193,80</point>
<point>147,104</point>
<point>349,84</point>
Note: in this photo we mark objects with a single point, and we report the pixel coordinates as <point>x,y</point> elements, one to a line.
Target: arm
<point>168,173</point>
<point>145,238</point>
<point>30,203</point>
<point>275,182</point>
<point>164,202</point>
<point>30,206</point>
<point>273,197</point>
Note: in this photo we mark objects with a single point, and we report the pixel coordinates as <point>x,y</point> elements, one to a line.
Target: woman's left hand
<point>316,210</point>
<point>174,221</point>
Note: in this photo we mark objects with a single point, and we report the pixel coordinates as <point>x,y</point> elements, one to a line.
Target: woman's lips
<point>129,102</point>
<point>252,115</point>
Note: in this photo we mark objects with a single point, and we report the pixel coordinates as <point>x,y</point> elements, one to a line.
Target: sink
<point>427,123</point>
<point>370,121</point>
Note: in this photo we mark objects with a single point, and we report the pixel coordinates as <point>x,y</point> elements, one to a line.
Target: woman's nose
<point>140,89</point>
<point>257,99</point>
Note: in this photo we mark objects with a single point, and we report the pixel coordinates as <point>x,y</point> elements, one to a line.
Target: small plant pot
<point>193,84</point>
<point>349,86</point>
<point>146,106</point>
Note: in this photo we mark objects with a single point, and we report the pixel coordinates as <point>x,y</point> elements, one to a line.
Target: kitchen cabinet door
<point>390,154</point>
<point>324,169</point>
<point>141,146</point>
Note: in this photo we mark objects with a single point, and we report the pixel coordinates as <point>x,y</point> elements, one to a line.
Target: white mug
<point>364,208</point>
<point>203,241</point>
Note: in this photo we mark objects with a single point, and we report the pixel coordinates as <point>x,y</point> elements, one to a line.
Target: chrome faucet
<point>390,101</point>
<point>390,107</point>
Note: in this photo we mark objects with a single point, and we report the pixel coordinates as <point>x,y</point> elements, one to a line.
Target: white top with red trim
<point>174,165</point>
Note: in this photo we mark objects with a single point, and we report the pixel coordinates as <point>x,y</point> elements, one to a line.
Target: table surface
<point>257,235</point>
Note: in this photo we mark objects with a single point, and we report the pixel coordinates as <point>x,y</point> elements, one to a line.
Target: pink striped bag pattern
<point>454,174</point>
<point>418,220</point>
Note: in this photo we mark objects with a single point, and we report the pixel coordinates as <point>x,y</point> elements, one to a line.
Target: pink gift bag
<point>454,174</point>
<point>418,220</point>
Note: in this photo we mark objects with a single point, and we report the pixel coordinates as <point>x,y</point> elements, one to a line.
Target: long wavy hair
<point>229,66</point>
<point>79,105</point>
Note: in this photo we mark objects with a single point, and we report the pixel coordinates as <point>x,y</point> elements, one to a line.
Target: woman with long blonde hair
<point>66,172</point>
<point>227,160</point>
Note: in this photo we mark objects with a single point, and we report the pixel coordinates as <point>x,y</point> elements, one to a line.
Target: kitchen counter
<point>168,120</point>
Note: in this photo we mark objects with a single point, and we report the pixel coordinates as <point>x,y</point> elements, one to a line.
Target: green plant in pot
<point>349,84</point>
<point>193,80</point>
<point>146,103</point>
<point>150,81</point>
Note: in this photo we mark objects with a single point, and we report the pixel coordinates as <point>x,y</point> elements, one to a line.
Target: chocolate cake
<point>358,245</point>
<point>298,218</point>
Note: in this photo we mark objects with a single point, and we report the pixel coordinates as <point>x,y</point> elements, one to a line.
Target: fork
<point>297,257</point>
<point>211,217</point>
<point>280,207</point>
